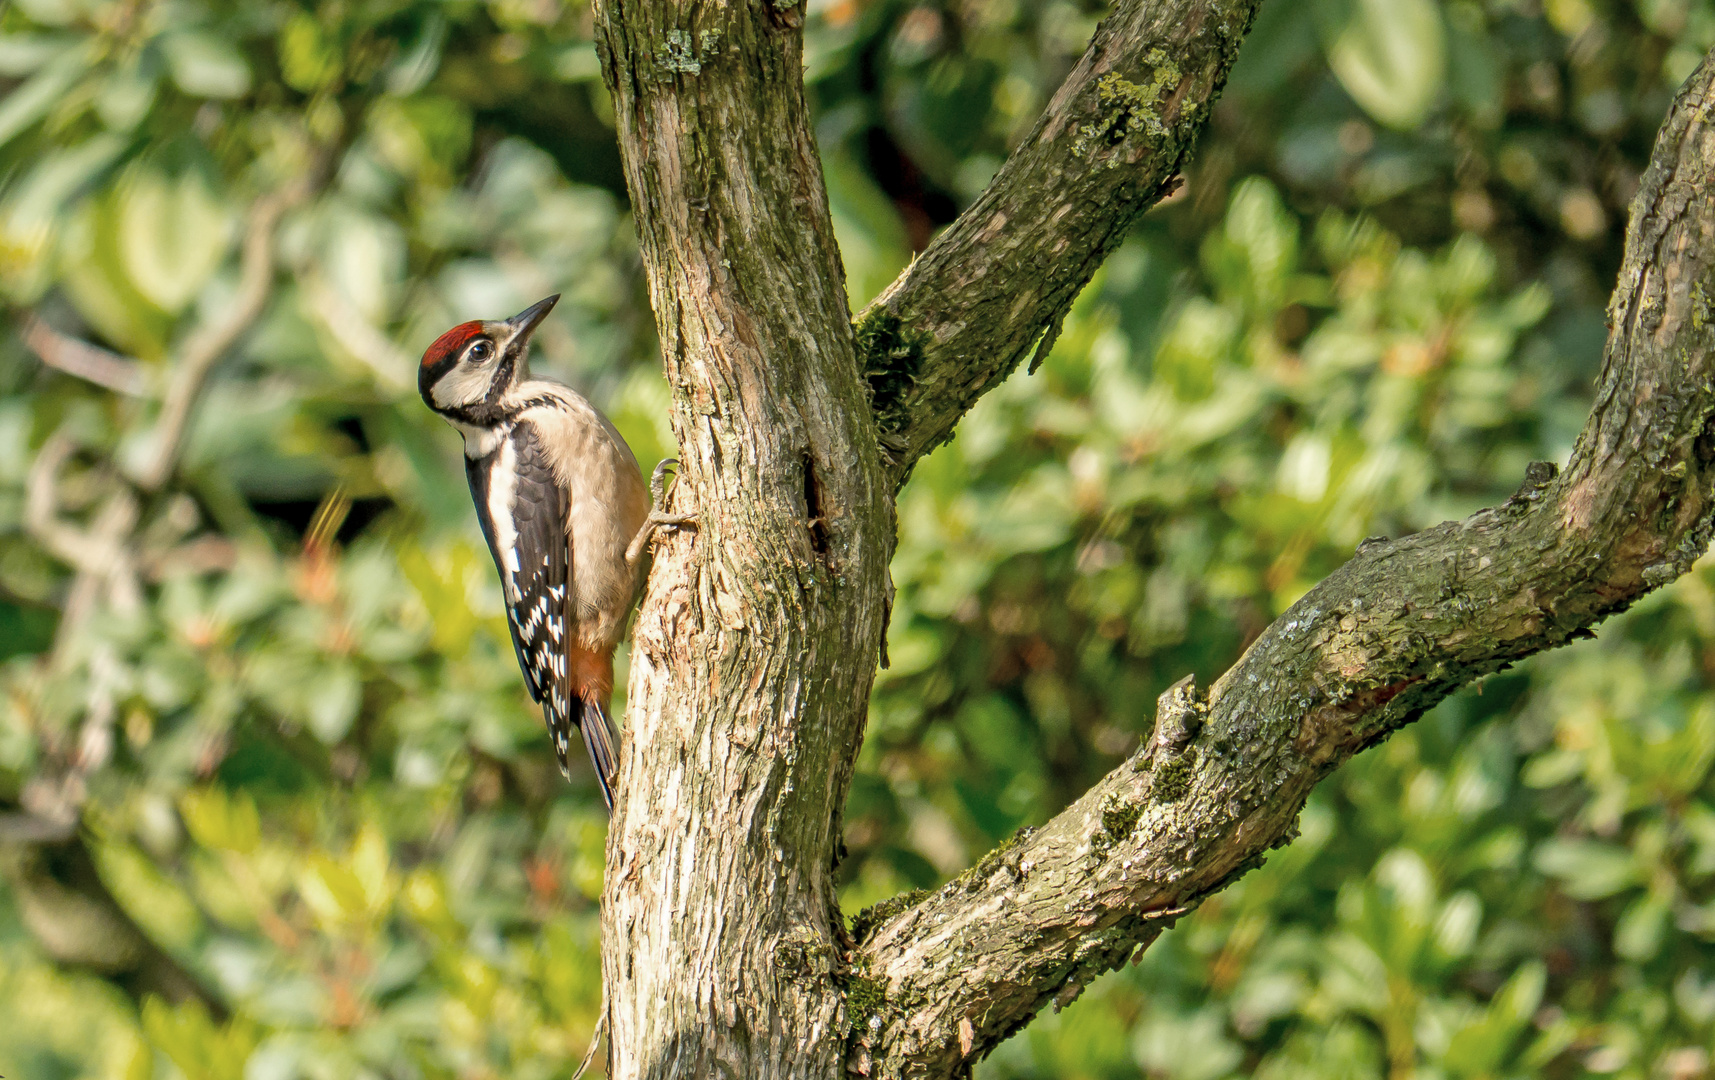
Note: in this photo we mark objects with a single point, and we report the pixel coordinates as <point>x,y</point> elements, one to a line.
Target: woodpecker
<point>563,506</point>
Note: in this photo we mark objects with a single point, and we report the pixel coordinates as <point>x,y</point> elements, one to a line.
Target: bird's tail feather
<point>599,740</point>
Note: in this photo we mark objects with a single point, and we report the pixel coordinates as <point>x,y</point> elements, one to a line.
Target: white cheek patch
<point>502,485</point>
<point>465,384</point>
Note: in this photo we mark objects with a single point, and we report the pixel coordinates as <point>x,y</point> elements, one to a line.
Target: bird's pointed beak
<point>525,322</point>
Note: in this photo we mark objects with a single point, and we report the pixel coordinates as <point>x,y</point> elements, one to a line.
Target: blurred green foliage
<point>323,790</point>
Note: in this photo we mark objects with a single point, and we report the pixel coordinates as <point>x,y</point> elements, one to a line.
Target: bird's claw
<point>658,479</point>
<point>657,516</point>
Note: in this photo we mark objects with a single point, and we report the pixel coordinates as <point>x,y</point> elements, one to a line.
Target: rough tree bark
<point>723,950</point>
<point>754,651</point>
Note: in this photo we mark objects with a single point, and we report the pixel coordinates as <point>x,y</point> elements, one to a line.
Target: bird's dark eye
<point>479,352</point>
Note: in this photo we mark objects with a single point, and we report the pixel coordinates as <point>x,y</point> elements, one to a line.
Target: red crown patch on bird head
<point>449,343</point>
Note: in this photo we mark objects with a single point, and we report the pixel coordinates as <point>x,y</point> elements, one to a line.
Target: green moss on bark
<point>1003,853</point>
<point>892,357</point>
<point>867,921</point>
<point>1173,776</point>
<point>1119,817</point>
<point>1128,109</point>
<point>865,1000</point>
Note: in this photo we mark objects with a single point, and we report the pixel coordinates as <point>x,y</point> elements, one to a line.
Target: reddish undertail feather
<point>591,677</point>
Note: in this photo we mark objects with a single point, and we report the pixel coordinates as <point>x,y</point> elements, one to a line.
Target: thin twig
<point>595,1039</point>
<point>99,554</point>
<point>65,542</point>
<point>91,363</point>
<point>105,555</point>
<point>208,345</point>
<point>201,555</point>
<point>113,569</point>
<point>29,829</point>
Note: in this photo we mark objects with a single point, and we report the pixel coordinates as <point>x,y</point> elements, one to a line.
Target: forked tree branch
<point>1398,628</point>
<point>1001,278</point>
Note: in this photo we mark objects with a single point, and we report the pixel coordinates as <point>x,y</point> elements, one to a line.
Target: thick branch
<point>1392,632</point>
<point>1001,278</point>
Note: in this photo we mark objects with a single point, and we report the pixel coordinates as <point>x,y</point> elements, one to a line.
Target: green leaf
<point>365,258</point>
<point>332,701</point>
<point>1391,56</point>
<point>1182,1047</point>
<point>202,1049</point>
<point>22,54</point>
<point>204,65</point>
<point>26,104</point>
<point>35,209</point>
<point>173,234</point>
<point>1588,869</point>
<point>417,64</point>
<point>1641,929</point>
<point>1483,1048</point>
<point>308,61</point>
<point>127,95</point>
<point>95,280</point>
<point>220,821</point>
<point>333,892</point>
<point>371,865</point>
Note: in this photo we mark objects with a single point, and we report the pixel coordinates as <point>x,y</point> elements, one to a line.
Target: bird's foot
<point>657,516</point>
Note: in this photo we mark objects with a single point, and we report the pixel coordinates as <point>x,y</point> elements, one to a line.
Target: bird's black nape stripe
<point>482,414</point>
<point>485,414</point>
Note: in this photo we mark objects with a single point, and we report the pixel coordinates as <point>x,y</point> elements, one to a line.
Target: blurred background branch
<point>105,369</point>
<point>71,913</point>
<point>206,346</point>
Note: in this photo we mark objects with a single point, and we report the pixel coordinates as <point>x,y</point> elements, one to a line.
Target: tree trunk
<point>755,645</point>
<point>724,952</point>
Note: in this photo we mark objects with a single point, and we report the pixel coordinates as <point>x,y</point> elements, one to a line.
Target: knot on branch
<point>1179,716</point>
<point>1538,475</point>
<point>1168,754</point>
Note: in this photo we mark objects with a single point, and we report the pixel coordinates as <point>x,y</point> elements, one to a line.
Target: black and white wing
<point>523,515</point>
